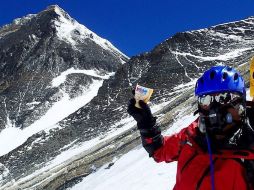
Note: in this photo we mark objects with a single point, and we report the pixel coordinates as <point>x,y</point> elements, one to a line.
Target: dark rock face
<point>33,52</point>
<point>32,55</point>
<point>178,60</point>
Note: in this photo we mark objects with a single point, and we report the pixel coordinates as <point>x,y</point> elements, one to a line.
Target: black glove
<point>141,115</point>
<point>150,133</point>
<point>145,120</point>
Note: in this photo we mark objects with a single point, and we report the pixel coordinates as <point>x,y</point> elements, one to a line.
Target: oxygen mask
<point>220,114</point>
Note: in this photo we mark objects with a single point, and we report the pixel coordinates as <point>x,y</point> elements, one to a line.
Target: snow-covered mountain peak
<point>53,61</point>
<point>69,30</point>
<point>60,12</point>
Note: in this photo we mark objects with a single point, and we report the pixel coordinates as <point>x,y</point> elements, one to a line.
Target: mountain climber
<point>216,151</point>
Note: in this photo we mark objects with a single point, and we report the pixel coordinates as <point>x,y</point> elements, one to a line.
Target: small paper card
<point>142,93</point>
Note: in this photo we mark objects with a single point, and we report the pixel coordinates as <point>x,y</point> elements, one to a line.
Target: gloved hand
<point>150,133</point>
<point>145,120</point>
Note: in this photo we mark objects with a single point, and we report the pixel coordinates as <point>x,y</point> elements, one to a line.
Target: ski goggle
<point>222,98</point>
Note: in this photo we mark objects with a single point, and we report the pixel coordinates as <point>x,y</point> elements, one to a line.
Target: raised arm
<point>160,148</point>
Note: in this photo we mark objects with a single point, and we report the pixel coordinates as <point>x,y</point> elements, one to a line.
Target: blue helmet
<point>220,79</point>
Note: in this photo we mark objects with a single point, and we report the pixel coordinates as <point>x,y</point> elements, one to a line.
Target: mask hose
<point>211,161</point>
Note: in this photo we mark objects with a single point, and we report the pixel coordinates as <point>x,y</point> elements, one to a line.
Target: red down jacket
<point>193,169</point>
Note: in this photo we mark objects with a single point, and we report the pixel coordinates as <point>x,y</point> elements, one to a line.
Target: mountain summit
<point>37,48</point>
<point>50,67</point>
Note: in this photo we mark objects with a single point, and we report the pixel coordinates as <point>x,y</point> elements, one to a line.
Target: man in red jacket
<point>217,150</point>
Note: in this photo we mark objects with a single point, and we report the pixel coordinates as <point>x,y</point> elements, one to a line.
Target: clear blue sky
<point>136,26</point>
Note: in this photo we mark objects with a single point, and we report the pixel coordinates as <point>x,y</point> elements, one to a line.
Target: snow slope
<point>135,170</point>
